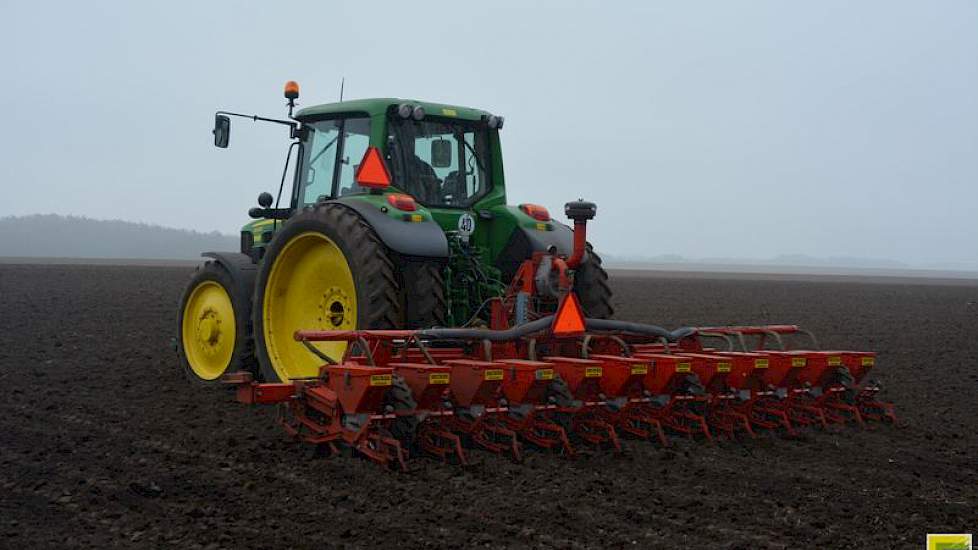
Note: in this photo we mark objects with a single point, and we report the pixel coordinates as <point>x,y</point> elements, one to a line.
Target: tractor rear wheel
<point>325,270</point>
<point>591,286</point>
<point>214,326</point>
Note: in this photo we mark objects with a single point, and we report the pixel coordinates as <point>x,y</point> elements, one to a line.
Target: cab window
<point>356,139</point>
<point>333,149</point>
<point>441,163</point>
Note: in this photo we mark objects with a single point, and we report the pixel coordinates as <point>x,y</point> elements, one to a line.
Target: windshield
<point>440,163</point>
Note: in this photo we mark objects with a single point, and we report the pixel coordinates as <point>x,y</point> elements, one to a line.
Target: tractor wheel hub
<point>333,308</point>
<point>209,332</point>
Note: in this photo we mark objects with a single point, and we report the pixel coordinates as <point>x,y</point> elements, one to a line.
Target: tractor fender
<point>562,237</point>
<point>425,239</point>
<point>242,269</point>
<point>523,242</point>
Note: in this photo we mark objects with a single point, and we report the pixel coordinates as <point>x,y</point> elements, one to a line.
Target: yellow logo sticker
<point>948,542</point>
<point>493,374</point>
<point>760,363</point>
<point>640,369</point>
<point>682,367</point>
<point>868,361</point>
<point>545,374</point>
<point>835,361</point>
<point>438,378</point>
<point>449,112</point>
<point>592,372</point>
<point>380,380</point>
<point>723,366</point>
<point>798,361</point>
<point>541,227</point>
<point>416,218</point>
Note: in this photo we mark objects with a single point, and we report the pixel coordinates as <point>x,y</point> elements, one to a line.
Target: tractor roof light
<point>496,122</point>
<point>406,111</point>
<point>536,212</point>
<point>402,202</point>
<point>292,90</point>
<point>372,172</point>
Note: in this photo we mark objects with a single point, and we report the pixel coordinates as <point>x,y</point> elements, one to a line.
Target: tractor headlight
<point>496,122</point>
<point>417,113</point>
<point>404,110</point>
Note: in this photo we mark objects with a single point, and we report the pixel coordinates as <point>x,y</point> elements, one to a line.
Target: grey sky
<point>735,129</point>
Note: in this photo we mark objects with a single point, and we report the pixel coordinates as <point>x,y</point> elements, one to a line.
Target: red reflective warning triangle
<point>569,320</point>
<point>372,171</point>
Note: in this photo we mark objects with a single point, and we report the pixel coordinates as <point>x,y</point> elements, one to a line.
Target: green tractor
<point>396,218</point>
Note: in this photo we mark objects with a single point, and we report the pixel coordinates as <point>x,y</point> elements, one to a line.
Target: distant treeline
<point>55,236</point>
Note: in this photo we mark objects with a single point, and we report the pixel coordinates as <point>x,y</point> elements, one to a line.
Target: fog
<point>707,129</point>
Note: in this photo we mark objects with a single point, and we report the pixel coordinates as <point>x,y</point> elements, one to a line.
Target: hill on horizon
<point>60,236</point>
<point>57,236</point>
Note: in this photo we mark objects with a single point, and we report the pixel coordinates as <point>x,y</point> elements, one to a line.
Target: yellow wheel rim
<point>310,287</point>
<point>208,330</point>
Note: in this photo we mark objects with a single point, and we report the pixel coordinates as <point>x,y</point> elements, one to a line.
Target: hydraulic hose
<point>514,333</point>
<point>640,329</point>
<point>542,324</point>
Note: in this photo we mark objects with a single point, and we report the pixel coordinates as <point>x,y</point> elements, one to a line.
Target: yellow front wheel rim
<point>310,287</point>
<point>208,330</point>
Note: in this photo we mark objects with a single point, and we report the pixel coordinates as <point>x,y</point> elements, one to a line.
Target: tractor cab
<point>439,165</point>
<point>447,159</point>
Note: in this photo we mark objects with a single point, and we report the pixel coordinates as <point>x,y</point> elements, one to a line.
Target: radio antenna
<point>342,83</point>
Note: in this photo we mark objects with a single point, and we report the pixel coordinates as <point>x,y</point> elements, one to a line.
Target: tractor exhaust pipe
<point>580,211</point>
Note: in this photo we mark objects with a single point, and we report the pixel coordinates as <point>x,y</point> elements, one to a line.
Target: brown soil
<point>104,443</point>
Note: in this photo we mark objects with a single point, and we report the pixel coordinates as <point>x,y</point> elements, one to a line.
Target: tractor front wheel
<point>325,270</point>
<point>214,326</point>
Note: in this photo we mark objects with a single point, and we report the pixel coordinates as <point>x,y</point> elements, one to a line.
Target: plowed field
<point>104,443</point>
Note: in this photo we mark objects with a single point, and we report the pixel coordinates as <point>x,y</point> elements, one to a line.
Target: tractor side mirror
<point>441,153</point>
<point>222,131</point>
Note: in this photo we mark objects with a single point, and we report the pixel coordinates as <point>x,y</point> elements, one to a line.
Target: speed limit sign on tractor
<point>466,224</point>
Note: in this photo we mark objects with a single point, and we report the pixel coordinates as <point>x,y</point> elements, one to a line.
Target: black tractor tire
<point>243,354</point>
<point>591,286</point>
<point>425,304</point>
<point>369,261</point>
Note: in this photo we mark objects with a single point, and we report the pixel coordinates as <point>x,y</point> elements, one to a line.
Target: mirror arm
<point>291,124</point>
